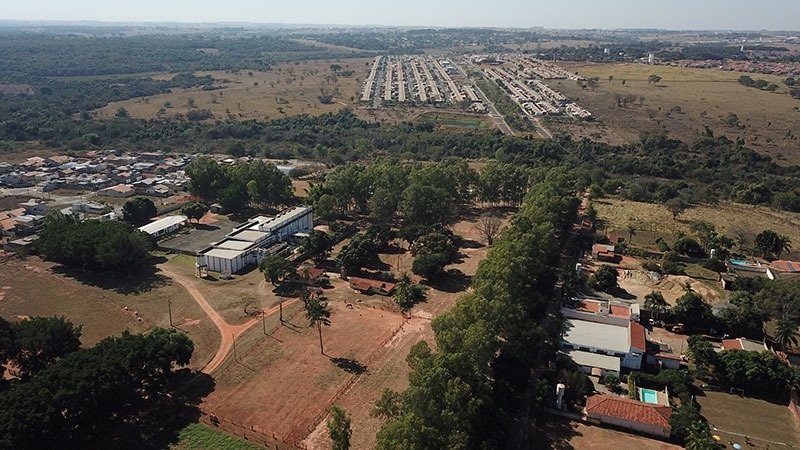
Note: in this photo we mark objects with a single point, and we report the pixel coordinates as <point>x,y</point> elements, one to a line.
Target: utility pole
<point>235,358</point>
<point>169,305</point>
<point>280,308</point>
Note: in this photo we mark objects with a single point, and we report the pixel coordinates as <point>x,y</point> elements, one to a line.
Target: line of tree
<point>466,393</point>
<point>93,245</point>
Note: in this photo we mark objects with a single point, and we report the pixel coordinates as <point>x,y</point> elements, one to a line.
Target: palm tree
<point>782,244</point>
<point>786,332</point>
<point>317,314</point>
<point>654,301</point>
<point>700,437</point>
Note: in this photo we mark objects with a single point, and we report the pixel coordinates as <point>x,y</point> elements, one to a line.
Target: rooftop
<point>587,359</point>
<point>743,344</point>
<point>627,409</point>
<point>582,333</point>
<point>163,223</point>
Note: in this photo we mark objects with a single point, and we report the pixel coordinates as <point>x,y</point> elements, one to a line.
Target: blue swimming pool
<point>740,262</point>
<point>649,396</point>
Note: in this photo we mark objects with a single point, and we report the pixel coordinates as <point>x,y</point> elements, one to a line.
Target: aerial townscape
<point>399,227</point>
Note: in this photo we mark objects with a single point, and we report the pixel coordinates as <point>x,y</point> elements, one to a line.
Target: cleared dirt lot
<point>282,384</point>
<point>564,434</point>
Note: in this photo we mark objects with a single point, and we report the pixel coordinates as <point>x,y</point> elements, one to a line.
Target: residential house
<point>627,343</point>
<point>118,191</point>
<point>744,344</point>
<point>368,286</point>
<point>310,276</point>
<point>604,252</point>
<point>631,414</point>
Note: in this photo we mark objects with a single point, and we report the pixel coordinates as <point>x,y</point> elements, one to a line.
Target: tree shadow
<point>619,292</point>
<point>469,243</point>
<point>204,227</point>
<point>160,426</point>
<point>555,433</point>
<point>452,281</point>
<point>145,280</point>
<point>349,365</point>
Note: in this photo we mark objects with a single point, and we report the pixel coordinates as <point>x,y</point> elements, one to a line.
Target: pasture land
<point>683,103</point>
<point>288,89</point>
<point>30,287</point>
<point>761,421</point>
<point>197,436</point>
<point>652,220</point>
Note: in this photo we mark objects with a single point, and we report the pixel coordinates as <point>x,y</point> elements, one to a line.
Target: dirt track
<point>227,332</point>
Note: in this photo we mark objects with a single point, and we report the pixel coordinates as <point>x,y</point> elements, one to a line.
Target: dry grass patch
<point>683,103</point>
<point>760,420</point>
<point>726,216</point>
<point>31,287</point>
<point>288,89</point>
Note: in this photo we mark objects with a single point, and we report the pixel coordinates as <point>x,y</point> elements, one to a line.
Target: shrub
<point>715,265</point>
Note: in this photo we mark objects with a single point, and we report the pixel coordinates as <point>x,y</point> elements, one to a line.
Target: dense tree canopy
<point>119,386</point>
<point>138,211</point>
<point>93,245</point>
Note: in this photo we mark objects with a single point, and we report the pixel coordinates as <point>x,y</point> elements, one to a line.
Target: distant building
<point>368,286</point>
<point>164,226</point>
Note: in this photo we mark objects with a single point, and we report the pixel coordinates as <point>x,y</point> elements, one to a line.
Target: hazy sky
<point>671,14</point>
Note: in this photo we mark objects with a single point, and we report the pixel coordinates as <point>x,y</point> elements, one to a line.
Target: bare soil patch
<point>563,434</point>
<point>283,385</point>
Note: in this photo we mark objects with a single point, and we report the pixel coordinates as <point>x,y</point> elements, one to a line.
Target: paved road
<point>493,113</point>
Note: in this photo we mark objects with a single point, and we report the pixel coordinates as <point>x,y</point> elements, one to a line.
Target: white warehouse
<point>250,242</point>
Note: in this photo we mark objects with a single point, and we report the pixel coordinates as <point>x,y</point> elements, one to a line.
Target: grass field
<point>683,103</point>
<point>288,89</point>
<point>760,420</point>
<point>31,287</point>
<point>197,436</point>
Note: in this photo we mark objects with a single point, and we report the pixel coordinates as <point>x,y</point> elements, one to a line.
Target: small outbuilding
<point>367,286</point>
<point>634,415</point>
<point>164,226</point>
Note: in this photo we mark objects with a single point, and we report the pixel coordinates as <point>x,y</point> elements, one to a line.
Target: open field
<point>283,384</point>
<point>651,220</point>
<point>684,102</point>
<point>288,89</point>
<point>197,436</point>
<point>760,420</point>
<point>31,287</point>
<point>563,434</point>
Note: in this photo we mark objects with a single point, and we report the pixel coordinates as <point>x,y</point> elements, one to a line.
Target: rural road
<point>227,331</point>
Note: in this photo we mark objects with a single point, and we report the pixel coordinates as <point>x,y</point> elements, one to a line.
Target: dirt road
<point>227,331</point>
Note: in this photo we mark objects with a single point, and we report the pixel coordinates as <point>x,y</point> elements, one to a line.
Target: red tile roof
<point>786,266</point>
<point>364,285</point>
<point>312,272</point>
<point>731,344</point>
<point>637,336</point>
<point>627,409</point>
<point>618,310</point>
<point>589,307</point>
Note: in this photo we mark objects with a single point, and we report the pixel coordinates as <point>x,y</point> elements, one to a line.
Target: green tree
<point>700,437</point>
<point>389,406</point>
<point>360,252</point>
<point>786,333</point>
<point>744,318</point>
<point>429,266</point>
<point>442,242</point>
<point>691,310</point>
<point>194,210</point>
<point>701,351</point>
<point>275,268</point>
<point>41,341</point>
<point>206,178</point>
<point>770,243</point>
<point>605,278</point>
<point>407,293</point>
<point>655,302</point>
<point>317,314</point>
<point>324,207</point>
<point>427,206</point>
<point>138,211</point>
<point>339,429</point>
<point>676,206</point>
<point>319,244</point>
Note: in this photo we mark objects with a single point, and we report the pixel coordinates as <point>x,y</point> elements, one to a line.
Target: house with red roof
<point>310,276</point>
<point>634,415</point>
<point>367,286</point>
<point>743,344</point>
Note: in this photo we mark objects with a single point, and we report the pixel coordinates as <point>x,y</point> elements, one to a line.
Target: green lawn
<point>197,436</point>
<point>760,420</point>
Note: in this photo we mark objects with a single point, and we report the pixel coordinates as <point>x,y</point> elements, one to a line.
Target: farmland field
<point>683,103</point>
